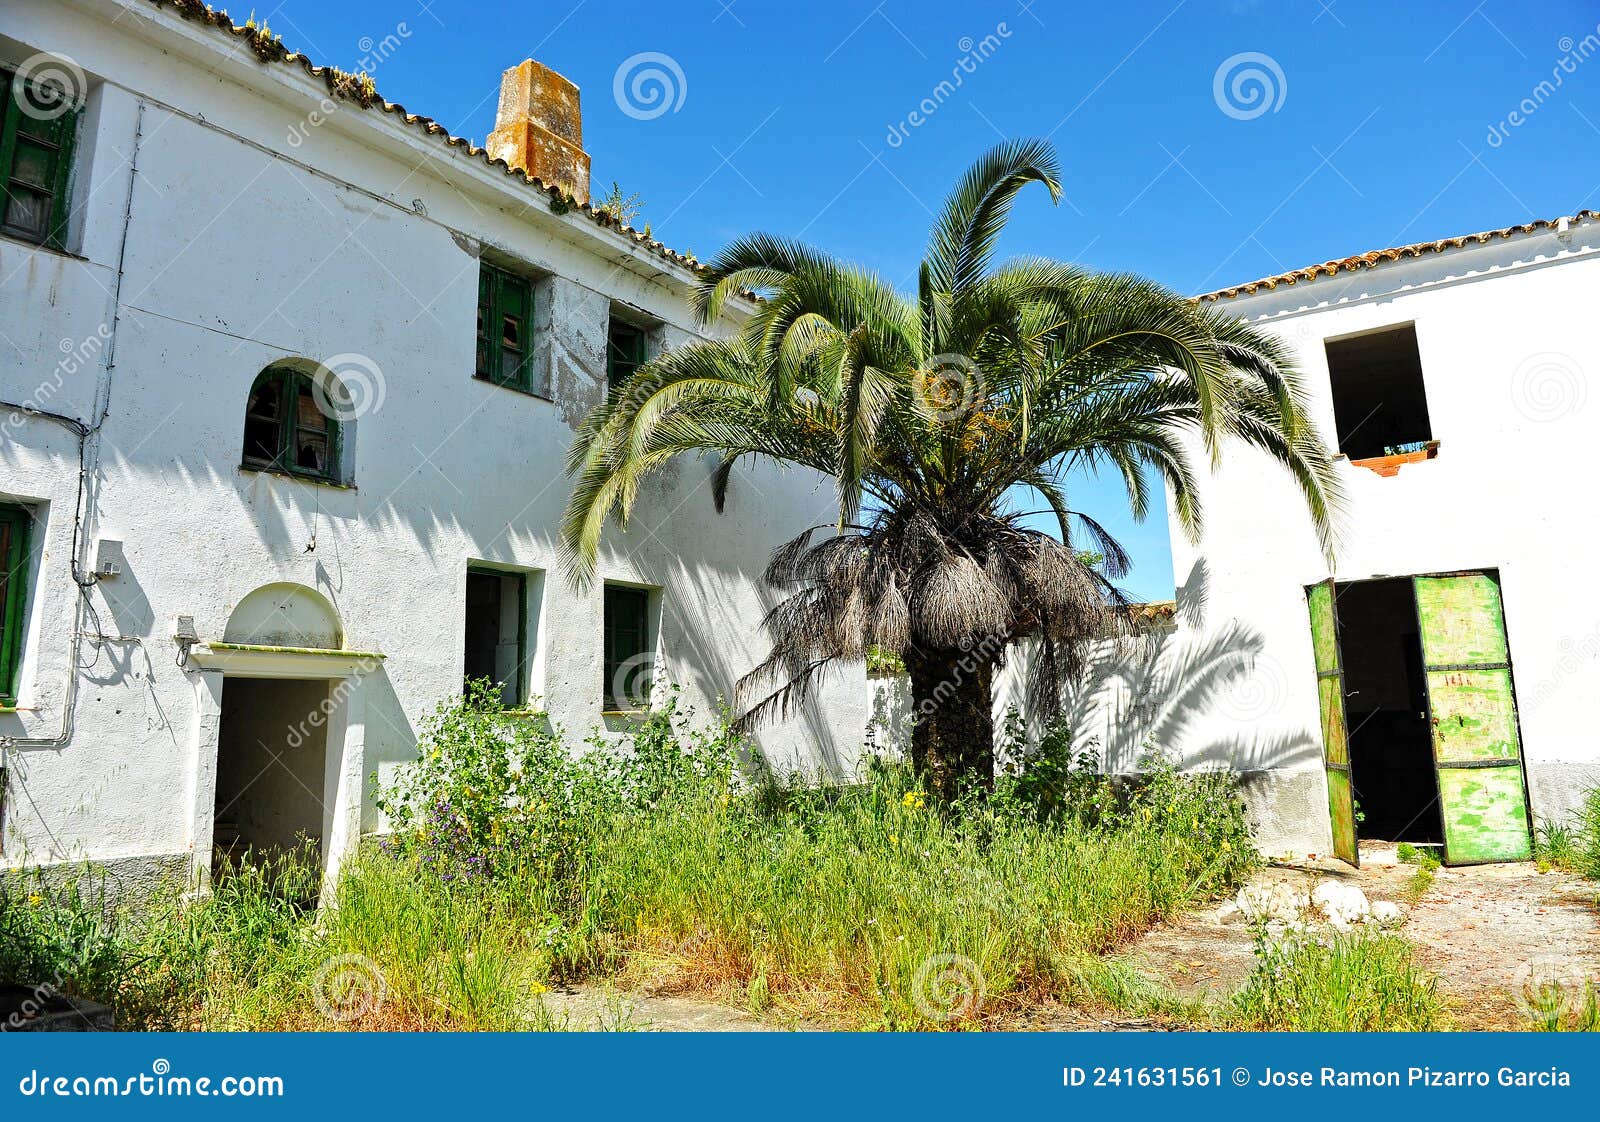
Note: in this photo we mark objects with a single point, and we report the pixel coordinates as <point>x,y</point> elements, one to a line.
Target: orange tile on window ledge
<point>1388,466</point>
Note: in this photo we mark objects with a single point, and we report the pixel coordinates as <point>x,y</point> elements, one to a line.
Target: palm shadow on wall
<point>1210,696</point>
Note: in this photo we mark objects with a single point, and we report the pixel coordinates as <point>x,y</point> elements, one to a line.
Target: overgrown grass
<point>516,864</point>
<point>1556,1009</point>
<point>1572,845</point>
<point>1356,982</point>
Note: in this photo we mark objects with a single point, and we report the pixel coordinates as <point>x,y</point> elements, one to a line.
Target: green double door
<point>1472,715</point>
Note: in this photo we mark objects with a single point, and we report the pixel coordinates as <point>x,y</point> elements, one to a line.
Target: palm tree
<point>933,414</point>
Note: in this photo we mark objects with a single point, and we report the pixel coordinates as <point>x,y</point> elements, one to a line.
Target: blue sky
<point>1376,132</point>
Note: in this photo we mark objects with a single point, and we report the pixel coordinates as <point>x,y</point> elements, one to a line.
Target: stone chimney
<point>539,128</point>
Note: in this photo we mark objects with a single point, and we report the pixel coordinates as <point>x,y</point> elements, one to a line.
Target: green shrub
<point>61,936</point>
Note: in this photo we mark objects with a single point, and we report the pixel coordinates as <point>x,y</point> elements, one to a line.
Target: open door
<point>1335,732</point>
<point>1477,748</point>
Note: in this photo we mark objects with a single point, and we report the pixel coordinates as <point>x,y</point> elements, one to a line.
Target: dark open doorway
<point>1386,708</point>
<point>272,755</point>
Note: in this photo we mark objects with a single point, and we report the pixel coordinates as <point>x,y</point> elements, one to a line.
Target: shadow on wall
<point>808,742</point>
<point>1208,700</point>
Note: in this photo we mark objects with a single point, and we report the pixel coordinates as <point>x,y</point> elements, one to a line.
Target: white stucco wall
<point>229,249</point>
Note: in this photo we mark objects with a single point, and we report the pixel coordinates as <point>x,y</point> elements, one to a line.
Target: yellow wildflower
<point>34,900</point>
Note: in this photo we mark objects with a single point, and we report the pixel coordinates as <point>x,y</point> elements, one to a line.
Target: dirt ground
<point>596,1009</point>
<point>1489,932</point>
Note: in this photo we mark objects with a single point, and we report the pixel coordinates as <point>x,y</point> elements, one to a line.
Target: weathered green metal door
<point>1477,748</point>
<point>1335,733</point>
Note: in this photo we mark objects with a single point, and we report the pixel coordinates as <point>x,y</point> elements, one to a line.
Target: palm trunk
<point>952,739</point>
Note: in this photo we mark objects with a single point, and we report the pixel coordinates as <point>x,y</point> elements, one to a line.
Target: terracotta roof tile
<point>1382,256</point>
<point>358,88</point>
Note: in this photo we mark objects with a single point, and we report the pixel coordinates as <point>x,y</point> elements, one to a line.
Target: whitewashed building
<point>1450,694</point>
<point>288,377</point>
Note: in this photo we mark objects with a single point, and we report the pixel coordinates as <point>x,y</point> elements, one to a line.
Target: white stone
<point>1341,904</point>
<point>1386,913</point>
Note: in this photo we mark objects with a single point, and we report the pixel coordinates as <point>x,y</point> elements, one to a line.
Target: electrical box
<point>109,560</point>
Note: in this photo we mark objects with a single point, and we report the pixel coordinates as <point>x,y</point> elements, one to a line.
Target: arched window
<point>287,428</point>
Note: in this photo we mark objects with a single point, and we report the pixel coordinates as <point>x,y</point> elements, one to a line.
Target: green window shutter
<point>627,349</point>
<point>486,318</point>
<point>505,329</point>
<point>16,524</point>
<point>35,163</point>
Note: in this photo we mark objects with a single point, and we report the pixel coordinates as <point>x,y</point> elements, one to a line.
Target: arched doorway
<point>280,741</point>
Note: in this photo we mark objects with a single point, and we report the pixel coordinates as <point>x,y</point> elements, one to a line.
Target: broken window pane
<point>1379,403</point>
<point>313,453</point>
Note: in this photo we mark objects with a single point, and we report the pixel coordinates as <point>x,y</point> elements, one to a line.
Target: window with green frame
<point>16,524</point>
<point>627,649</point>
<point>497,632</point>
<point>286,428</point>
<point>505,329</point>
<point>627,349</point>
<point>35,160</point>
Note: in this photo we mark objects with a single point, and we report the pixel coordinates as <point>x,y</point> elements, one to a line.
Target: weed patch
<point>1357,982</point>
<point>669,861</point>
